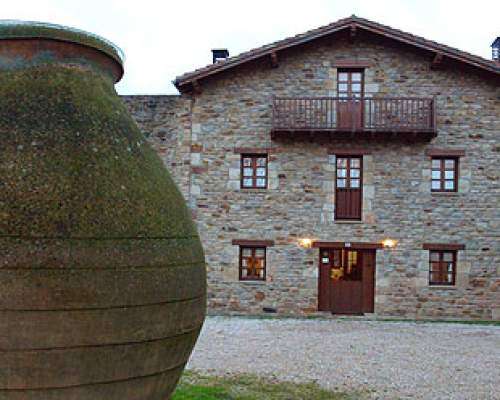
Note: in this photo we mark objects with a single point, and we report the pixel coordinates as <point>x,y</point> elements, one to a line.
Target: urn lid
<point>17,29</point>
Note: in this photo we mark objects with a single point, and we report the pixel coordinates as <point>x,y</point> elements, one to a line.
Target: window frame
<point>348,186</point>
<point>348,178</point>
<point>254,177</point>
<point>253,249</point>
<point>441,262</point>
<point>442,172</point>
<point>349,92</point>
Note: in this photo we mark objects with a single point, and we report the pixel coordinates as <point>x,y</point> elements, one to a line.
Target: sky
<point>163,39</point>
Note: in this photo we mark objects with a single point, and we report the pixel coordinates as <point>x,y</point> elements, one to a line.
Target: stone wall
<point>233,111</point>
<point>166,123</point>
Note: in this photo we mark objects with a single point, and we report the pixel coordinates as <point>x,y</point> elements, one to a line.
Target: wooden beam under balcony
<point>408,118</point>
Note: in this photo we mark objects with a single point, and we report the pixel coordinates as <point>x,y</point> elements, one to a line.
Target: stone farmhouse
<point>351,169</point>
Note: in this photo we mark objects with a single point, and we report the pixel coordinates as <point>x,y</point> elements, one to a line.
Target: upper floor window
<point>350,82</point>
<point>348,187</point>
<point>254,171</point>
<point>442,267</point>
<point>252,263</point>
<point>444,174</point>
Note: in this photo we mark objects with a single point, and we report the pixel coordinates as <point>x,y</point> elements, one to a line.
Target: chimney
<point>495,50</point>
<point>219,55</point>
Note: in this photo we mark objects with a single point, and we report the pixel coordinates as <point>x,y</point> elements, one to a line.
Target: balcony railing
<point>349,114</point>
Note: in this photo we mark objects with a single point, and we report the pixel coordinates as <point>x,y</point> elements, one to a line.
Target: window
<point>252,263</point>
<point>254,171</point>
<point>350,83</point>
<point>444,174</point>
<point>348,187</point>
<point>349,107</point>
<point>442,267</point>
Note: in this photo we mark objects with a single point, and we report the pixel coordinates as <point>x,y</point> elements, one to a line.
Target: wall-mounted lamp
<point>306,243</point>
<point>389,243</point>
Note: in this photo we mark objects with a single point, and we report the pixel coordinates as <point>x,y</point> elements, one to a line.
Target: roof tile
<point>361,23</point>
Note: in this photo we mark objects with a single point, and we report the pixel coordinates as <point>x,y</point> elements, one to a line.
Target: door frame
<point>325,287</point>
<point>350,112</point>
<point>348,189</point>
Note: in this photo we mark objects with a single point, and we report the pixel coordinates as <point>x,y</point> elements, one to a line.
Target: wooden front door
<point>346,281</point>
<point>350,90</point>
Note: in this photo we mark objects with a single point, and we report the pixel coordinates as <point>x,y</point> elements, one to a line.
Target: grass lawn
<point>194,386</point>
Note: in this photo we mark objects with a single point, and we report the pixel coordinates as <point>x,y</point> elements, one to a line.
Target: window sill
<point>244,190</point>
<point>347,221</point>
<point>250,282</point>
<point>445,194</point>
<point>442,287</point>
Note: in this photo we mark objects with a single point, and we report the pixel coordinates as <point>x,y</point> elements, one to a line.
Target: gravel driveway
<point>392,360</point>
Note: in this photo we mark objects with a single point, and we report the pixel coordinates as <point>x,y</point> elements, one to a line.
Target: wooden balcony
<point>408,118</point>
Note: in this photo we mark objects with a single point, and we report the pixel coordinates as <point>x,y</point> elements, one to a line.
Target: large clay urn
<point>102,277</point>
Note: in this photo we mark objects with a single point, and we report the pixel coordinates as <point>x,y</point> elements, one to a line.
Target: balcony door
<point>350,91</point>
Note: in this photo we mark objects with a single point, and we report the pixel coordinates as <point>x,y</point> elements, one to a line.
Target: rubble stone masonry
<point>200,138</point>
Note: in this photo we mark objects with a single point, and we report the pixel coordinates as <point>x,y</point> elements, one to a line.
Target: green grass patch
<point>194,386</point>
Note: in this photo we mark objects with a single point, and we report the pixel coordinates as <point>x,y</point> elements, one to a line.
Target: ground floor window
<point>252,263</point>
<point>442,267</point>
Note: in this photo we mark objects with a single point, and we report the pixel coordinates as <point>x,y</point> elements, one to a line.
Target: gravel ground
<point>390,360</point>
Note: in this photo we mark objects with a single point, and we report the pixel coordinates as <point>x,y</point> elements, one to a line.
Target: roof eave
<point>182,82</point>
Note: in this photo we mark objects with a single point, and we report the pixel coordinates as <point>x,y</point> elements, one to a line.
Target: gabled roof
<point>347,23</point>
